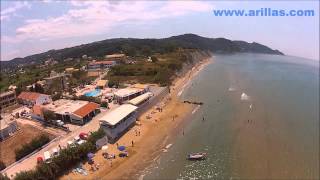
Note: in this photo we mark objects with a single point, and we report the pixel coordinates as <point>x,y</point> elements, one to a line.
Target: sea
<point>259,120</point>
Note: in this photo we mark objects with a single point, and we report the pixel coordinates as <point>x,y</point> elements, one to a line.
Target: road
<point>31,162</point>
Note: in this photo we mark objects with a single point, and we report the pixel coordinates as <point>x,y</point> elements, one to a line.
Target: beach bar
<point>140,99</point>
<point>127,94</point>
<point>118,121</point>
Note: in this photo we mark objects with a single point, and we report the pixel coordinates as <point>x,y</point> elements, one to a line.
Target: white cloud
<point>94,17</point>
<point>8,12</point>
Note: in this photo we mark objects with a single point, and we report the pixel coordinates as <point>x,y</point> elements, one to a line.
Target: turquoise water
<point>93,93</point>
<point>277,139</point>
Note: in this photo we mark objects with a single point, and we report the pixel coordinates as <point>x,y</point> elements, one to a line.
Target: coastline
<point>155,134</point>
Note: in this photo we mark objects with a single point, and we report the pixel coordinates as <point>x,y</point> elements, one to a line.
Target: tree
<point>154,59</point>
<point>129,50</point>
<point>48,116</point>
<point>112,83</point>
<point>90,99</point>
<point>38,88</point>
<point>162,77</point>
<point>56,96</point>
<point>146,50</point>
<point>4,177</point>
<point>30,147</point>
<point>104,104</point>
<point>66,159</point>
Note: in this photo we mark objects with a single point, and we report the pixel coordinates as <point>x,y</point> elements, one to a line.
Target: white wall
<point>121,127</point>
<point>43,99</point>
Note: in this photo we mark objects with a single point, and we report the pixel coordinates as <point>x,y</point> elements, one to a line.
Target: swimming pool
<point>93,93</point>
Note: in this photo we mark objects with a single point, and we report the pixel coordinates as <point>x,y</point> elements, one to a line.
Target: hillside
<point>144,47</point>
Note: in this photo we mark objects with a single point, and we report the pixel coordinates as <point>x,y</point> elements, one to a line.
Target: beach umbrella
<point>121,148</point>
<point>90,155</point>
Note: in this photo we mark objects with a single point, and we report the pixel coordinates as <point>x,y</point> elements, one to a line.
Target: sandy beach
<point>155,135</point>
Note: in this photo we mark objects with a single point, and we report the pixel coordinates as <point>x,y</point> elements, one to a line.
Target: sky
<point>29,27</point>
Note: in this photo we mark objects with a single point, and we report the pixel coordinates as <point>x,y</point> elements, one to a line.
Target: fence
<point>29,155</point>
<point>158,96</point>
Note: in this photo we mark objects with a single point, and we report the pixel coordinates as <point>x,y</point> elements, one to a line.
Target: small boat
<point>197,156</point>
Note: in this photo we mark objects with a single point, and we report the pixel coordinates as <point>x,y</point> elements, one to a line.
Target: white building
<point>137,101</point>
<point>32,98</point>
<point>101,65</point>
<point>129,93</point>
<point>76,112</point>
<point>118,121</point>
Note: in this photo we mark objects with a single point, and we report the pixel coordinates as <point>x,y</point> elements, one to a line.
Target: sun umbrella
<point>90,155</point>
<point>121,148</point>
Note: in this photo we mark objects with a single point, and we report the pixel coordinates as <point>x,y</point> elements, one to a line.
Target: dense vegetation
<point>160,70</point>
<point>67,158</point>
<point>4,177</point>
<point>22,77</point>
<point>136,47</point>
<point>30,147</point>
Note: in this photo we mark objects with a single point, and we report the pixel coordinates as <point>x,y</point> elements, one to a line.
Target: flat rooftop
<point>118,114</point>
<point>6,121</point>
<point>139,99</point>
<point>62,106</point>
<point>127,92</point>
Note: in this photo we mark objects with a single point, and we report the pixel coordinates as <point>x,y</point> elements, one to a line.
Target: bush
<point>154,59</point>
<point>2,165</point>
<point>30,147</point>
<point>66,159</point>
<point>96,135</point>
<point>4,177</point>
<point>104,104</point>
<point>90,99</point>
<point>112,83</point>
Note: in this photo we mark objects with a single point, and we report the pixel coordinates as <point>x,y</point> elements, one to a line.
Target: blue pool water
<point>93,93</point>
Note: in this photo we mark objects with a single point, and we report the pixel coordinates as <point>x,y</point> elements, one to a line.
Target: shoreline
<point>155,134</point>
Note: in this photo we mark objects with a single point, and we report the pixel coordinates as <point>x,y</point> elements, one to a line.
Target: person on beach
<point>182,132</point>
<point>132,143</point>
<point>203,118</point>
<point>117,145</point>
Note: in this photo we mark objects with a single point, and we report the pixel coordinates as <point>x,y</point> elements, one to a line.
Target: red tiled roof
<point>101,62</point>
<point>29,96</point>
<point>86,109</point>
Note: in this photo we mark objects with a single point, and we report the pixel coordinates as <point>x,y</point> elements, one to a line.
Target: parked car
<point>47,157</point>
